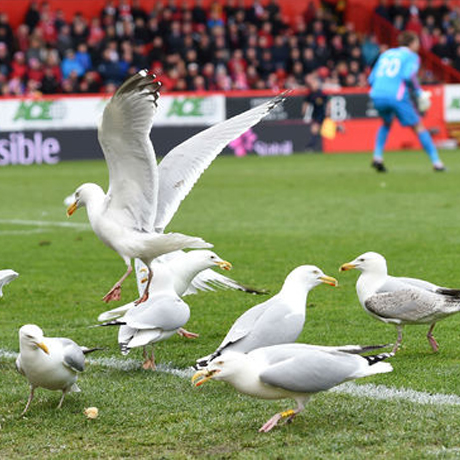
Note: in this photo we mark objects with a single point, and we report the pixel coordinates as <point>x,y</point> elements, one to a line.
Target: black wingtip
<point>449,292</point>
<point>87,351</point>
<point>374,359</point>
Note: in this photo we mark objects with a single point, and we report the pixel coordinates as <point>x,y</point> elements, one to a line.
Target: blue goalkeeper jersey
<point>395,74</point>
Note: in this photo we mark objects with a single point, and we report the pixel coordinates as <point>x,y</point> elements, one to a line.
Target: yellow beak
<point>348,266</point>
<point>203,376</point>
<point>224,265</point>
<point>43,347</point>
<point>329,280</point>
<point>72,208</point>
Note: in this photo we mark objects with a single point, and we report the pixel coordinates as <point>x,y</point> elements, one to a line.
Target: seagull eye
<point>219,363</point>
<point>316,272</point>
<point>361,260</point>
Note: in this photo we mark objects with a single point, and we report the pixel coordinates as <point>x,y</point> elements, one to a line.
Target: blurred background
<point>60,60</point>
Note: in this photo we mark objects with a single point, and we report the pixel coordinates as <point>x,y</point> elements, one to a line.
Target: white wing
<point>124,135</point>
<point>209,280</point>
<point>184,164</point>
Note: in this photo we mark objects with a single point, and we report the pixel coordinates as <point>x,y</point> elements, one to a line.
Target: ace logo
<point>40,110</point>
<point>188,107</point>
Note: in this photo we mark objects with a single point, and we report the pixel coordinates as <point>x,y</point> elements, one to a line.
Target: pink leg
<point>399,340</point>
<point>431,339</point>
<point>188,335</point>
<point>31,396</point>
<point>145,295</point>
<point>288,415</point>
<point>149,363</point>
<point>115,292</point>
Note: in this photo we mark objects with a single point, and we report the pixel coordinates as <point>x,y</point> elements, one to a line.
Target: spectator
<point>71,64</point>
<point>49,83</point>
<point>83,57</point>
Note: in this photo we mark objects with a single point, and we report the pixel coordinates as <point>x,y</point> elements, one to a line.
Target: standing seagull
<point>143,198</point>
<point>294,371</point>
<point>49,362</point>
<point>157,319</point>
<point>400,300</point>
<point>280,319</point>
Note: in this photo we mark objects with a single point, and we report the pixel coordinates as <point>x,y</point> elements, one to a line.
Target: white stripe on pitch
<point>368,390</point>
<point>46,223</point>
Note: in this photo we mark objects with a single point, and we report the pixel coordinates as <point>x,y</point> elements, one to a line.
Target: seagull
<point>400,300</point>
<point>158,318</point>
<point>49,362</point>
<point>294,371</point>
<point>280,319</point>
<point>194,273</point>
<point>143,198</point>
<point>123,219</point>
<point>6,276</point>
<point>184,268</point>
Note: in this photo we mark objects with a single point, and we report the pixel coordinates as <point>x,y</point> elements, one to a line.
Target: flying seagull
<point>143,198</point>
<point>49,362</point>
<point>295,371</point>
<point>280,319</point>
<point>400,300</point>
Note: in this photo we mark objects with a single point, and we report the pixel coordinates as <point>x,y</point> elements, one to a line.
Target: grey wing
<point>245,323</point>
<point>183,165</point>
<point>422,284</point>
<point>165,312</point>
<point>209,280</point>
<point>72,355</point>
<point>124,135</point>
<point>309,371</point>
<point>274,324</point>
<point>428,286</point>
<point>407,305</point>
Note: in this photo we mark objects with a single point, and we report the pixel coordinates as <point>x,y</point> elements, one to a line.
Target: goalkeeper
<point>393,79</point>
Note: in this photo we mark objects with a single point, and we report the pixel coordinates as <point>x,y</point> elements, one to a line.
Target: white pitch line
<point>46,223</point>
<point>368,390</point>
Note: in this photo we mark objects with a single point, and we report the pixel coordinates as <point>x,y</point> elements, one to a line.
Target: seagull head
<point>222,367</point>
<point>208,259</point>
<point>83,195</point>
<point>31,336</point>
<point>310,276</point>
<point>370,262</point>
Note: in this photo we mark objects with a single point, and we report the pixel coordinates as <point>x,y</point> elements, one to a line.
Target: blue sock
<point>380,141</point>
<point>427,143</point>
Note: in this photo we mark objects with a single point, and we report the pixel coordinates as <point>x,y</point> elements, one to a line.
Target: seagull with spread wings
<point>143,197</point>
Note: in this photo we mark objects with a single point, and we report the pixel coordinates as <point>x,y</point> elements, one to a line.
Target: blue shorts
<point>404,110</point>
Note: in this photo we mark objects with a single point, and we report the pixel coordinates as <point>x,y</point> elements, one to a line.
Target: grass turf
<point>265,215</point>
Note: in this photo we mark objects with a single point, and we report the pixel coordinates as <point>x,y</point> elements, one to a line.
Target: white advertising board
<point>84,112</point>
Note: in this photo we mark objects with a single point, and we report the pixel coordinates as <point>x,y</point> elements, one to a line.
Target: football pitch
<point>266,216</point>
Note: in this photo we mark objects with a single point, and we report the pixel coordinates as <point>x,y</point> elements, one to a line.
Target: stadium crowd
<point>437,24</point>
<point>226,46</point>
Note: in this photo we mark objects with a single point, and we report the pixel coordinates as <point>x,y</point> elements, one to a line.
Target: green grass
<point>267,216</point>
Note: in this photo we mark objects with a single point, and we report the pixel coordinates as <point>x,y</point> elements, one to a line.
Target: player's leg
<point>427,143</point>
<point>386,113</point>
<point>408,116</point>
